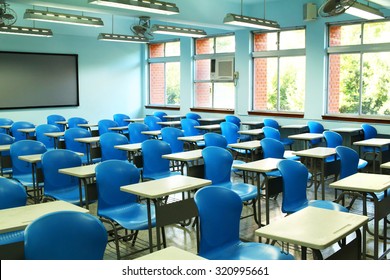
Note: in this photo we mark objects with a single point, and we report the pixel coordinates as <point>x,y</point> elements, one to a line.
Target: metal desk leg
<point>149,225</point>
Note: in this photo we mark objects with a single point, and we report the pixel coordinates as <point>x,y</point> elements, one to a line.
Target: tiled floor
<point>185,237</point>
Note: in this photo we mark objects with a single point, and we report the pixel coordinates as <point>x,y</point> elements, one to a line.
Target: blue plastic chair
<point>104,125</point>
<point>12,194</point>
<point>60,186</point>
<point>21,135</point>
<point>151,122</point>
<point>75,146</point>
<point>219,214</point>
<point>369,132</point>
<point>295,176</point>
<point>65,235</point>
<point>271,123</point>
<point>120,119</point>
<point>116,207</point>
<point>5,121</point>
<point>53,119</point>
<point>270,132</point>
<point>74,122</point>
<point>193,116</point>
<point>169,135</point>
<point>135,132</point>
<point>237,121</point>
<point>156,167</point>
<point>315,127</point>
<point>160,115</point>
<point>6,164</point>
<point>108,141</point>
<point>230,131</point>
<point>40,131</point>
<point>188,126</point>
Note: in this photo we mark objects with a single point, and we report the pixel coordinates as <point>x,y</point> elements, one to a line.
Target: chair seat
<point>12,237</point>
<point>362,163</point>
<point>71,195</point>
<point>244,138</point>
<point>156,176</point>
<point>247,251</point>
<point>326,204</point>
<point>25,180</point>
<point>236,161</point>
<point>245,191</point>
<point>133,216</point>
<point>289,155</point>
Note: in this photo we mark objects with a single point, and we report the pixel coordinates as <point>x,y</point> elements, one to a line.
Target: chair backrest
<point>151,122</point>
<point>57,159</point>
<point>18,125</point>
<point>6,139</point>
<point>349,161</point>
<point>73,122</point>
<point>40,131</point>
<point>135,134</point>
<point>315,127</point>
<point>160,115</point>
<point>369,131</point>
<point>272,148</point>
<point>294,176</point>
<point>120,119</point>
<point>333,139</point>
<point>219,215</point>
<point>234,119</point>
<point>5,121</point>
<point>53,119</point>
<point>215,139</point>
<point>110,176</point>
<point>24,147</point>
<point>65,235</point>
<point>217,164</point>
<point>71,134</point>
<point>104,125</point>
<point>152,151</point>
<point>169,135</point>
<point>107,143</point>
<point>12,193</point>
<point>270,132</point>
<point>271,122</point>
<point>193,116</point>
<point>230,131</point>
<point>188,126</point>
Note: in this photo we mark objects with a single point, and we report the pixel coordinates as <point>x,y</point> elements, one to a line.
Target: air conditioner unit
<point>222,69</point>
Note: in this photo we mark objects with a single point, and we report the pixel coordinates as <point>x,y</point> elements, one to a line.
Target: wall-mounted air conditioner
<point>222,69</point>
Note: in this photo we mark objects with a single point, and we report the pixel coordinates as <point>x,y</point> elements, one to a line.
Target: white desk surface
<point>194,138</point>
<point>385,165</point>
<point>134,120</point>
<point>118,128</point>
<point>252,132</point>
<point>263,165</point>
<point>306,136</point>
<point>294,126</point>
<point>211,120</point>
<point>84,171</point>
<point>165,186</point>
<point>208,126</point>
<point>152,132</point>
<point>6,126</point>
<point>62,122</point>
<point>346,129</point>
<point>31,158</point>
<point>18,218</point>
<point>4,148</point>
<point>170,117</point>
<point>317,152</point>
<point>88,140</point>
<point>129,147</point>
<point>251,122</point>
<point>313,227</point>
<point>169,123</point>
<point>363,182</point>
<point>373,142</point>
<point>27,130</point>
<point>185,156</point>
<point>87,125</point>
<point>171,253</point>
<point>248,145</point>
<point>55,134</point>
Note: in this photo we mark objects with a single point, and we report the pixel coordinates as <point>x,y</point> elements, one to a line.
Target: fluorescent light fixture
<point>27,31</point>
<point>62,18</point>
<point>179,31</point>
<point>240,20</point>
<point>363,11</point>
<point>150,6</point>
<point>122,38</point>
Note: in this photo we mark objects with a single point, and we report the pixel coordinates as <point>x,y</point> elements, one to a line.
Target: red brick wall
<point>334,71</point>
<point>157,83</point>
<point>202,90</point>
<point>260,74</point>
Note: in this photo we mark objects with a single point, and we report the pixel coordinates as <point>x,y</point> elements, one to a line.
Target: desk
<point>349,134</point>
<point>253,124</point>
<point>119,128</point>
<point>318,229</point>
<point>134,120</point>
<point>56,136</point>
<point>37,177</point>
<point>132,150</point>
<point>171,253</point>
<point>248,146</point>
<point>89,126</point>
<point>174,117</point>
<point>318,156</point>
<point>88,144</point>
<point>368,183</point>
<point>254,133</point>
<point>209,127</point>
<point>6,127</point>
<point>192,140</point>
<point>261,167</point>
<point>306,137</point>
<point>170,123</point>
<point>205,121</point>
<point>383,165</point>
<point>27,131</point>
<point>185,158</point>
<point>170,213</point>
<point>5,161</point>
<point>154,133</point>
<point>83,173</point>
<point>377,144</point>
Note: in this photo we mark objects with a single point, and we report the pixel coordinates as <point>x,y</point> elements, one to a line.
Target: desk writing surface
<point>171,253</point>
<point>385,165</point>
<point>317,152</point>
<point>83,171</point>
<point>87,125</point>
<point>4,148</point>
<point>168,123</point>
<point>18,218</point>
<point>294,126</point>
<point>129,147</point>
<point>263,165</point>
<point>373,142</point>
<point>31,158</point>
<point>306,136</point>
<point>194,138</point>
<point>88,140</point>
<point>184,156</point>
<point>252,123</point>
<point>363,182</point>
<point>55,134</point>
<point>252,132</point>
<point>118,128</point>
<point>151,132</point>
<point>27,130</point>
<point>134,120</point>
<point>248,145</point>
<point>313,227</point>
<point>208,126</point>
<point>165,186</point>
<point>346,129</point>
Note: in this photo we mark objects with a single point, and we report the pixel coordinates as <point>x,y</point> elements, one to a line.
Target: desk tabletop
<point>185,156</point>
<point>294,126</point>
<point>134,120</point>
<point>4,148</point>
<point>18,218</point>
<point>118,128</point>
<point>306,136</point>
<point>152,132</point>
<point>27,130</point>
<point>346,129</point>
<point>172,117</point>
<point>210,120</point>
<point>209,126</point>
<point>129,147</point>
<point>6,126</point>
<point>31,158</point>
<point>253,132</point>
<point>313,227</point>
<point>262,165</point>
<point>171,253</point>
<point>248,145</point>
<point>317,152</point>
<point>194,138</point>
<point>87,125</point>
<point>165,186</point>
<point>254,123</point>
<point>55,134</point>
<point>373,142</point>
<point>62,122</point>
<point>83,171</point>
<point>363,182</point>
<point>88,140</point>
<point>385,165</point>
<point>169,123</point>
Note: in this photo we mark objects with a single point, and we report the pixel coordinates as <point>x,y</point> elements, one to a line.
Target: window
<point>164,73</point>
<point>359,69</point>
<point>211,93</point>
<point>279,70</point>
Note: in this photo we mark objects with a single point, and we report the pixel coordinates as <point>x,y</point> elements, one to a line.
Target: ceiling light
<point>363,11</point>
<point>246,21</point>
<point>179,31</point>
<point>63,18</point>
<point>150,6</point>
<point>122,38</point>
<point>28,31</point>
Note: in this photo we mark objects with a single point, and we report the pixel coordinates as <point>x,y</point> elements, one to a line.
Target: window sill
<point>212,110</point>
<point>276,114</point>
<point>361,119</point>
<point>163,107</point>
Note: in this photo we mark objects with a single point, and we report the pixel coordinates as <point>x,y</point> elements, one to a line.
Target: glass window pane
<point>204,46</point>
<point>265,83</point>
<point>292,83</point>
<point>265,41</point>
<point>157,83</point>
<point>293,39</point>
<point>202,69</point>
<point>344,35</point>
<point>172,49</point>
<point>376,32</point>
<point>203,95</point>
<point>224,95</point>
<point>376,84</point>
<point>173,83</point>
<point>156,50</point>
<point>225,44</point>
